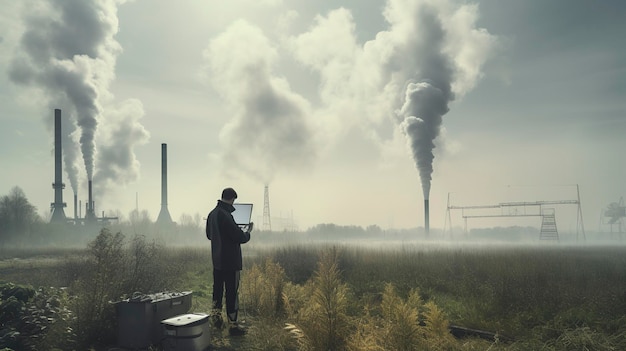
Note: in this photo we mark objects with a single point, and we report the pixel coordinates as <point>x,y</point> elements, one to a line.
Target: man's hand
<point>250,227</point>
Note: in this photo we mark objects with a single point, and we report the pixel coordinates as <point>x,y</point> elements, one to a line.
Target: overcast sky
<point>351,111</point>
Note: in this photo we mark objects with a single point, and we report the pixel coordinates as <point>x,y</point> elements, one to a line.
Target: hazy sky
<point>334,104</point>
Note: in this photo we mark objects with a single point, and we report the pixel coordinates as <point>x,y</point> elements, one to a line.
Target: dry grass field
<point>347,296</point>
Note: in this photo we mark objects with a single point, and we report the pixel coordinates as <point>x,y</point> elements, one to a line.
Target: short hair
<point>229,194</point>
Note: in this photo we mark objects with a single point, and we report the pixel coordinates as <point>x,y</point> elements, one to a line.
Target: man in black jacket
<point>226,239</point>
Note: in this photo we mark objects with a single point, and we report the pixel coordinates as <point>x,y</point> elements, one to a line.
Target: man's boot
<point>217,319</point>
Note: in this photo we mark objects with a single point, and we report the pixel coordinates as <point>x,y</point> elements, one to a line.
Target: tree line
<point>21,225</point>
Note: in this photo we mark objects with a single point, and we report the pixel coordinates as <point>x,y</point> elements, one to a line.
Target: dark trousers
<point>230,281</point>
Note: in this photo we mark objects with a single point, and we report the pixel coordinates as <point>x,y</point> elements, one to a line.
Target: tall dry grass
<point>322,323</point>
<point>403,325</point>
<point>262,289</point>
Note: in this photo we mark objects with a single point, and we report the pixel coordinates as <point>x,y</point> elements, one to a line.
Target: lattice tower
<point>267,220</point>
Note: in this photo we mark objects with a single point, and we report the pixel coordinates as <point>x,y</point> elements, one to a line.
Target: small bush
<point>322,323</point>
<point>399,325</point>
<point>99,283</point>
<point>400,322</point>
<point>263,287</point>
<point>436,331</point>
<point>34,319</point>
<point>111,271</point>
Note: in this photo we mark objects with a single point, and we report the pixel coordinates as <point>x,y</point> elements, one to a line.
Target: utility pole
<point>267,220</point>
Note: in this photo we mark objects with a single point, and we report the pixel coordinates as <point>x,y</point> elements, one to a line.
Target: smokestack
<point>58,215</point>
<point>164,215</point>
<point>426,217</point>
<point>75,206</point>
<point>90,196</point>
<point>90,211</point>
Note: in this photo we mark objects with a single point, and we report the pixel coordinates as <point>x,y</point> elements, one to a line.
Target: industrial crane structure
<point>544,209</point>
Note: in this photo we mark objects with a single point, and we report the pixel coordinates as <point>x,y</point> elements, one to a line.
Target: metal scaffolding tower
<point>267,220</point>
<point>548,225</point>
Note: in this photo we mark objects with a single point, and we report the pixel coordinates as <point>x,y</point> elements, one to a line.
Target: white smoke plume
<point>70,149</point>
<point>430,53</point>
<point>120,133</point>
<point>268,130</point>
<point>330,48</point>
<point>68,52</point>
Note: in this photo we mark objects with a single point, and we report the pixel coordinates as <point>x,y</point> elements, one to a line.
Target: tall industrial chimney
<point>164,215</point>
<point>90,212</point>
<point>58,214</point>
<point>75,206</point>
<point>426,217</point>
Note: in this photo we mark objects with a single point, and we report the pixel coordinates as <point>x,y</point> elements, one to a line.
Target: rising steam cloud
<point>68,52</point>
<point>430,54</point>
<point>268,131</point>
<point>121,132</point>
<point>70,149</point>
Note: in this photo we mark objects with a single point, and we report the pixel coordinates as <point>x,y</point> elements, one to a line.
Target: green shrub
<point>110,271</point>
<point>100,282</point>
<point>34,319</point>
